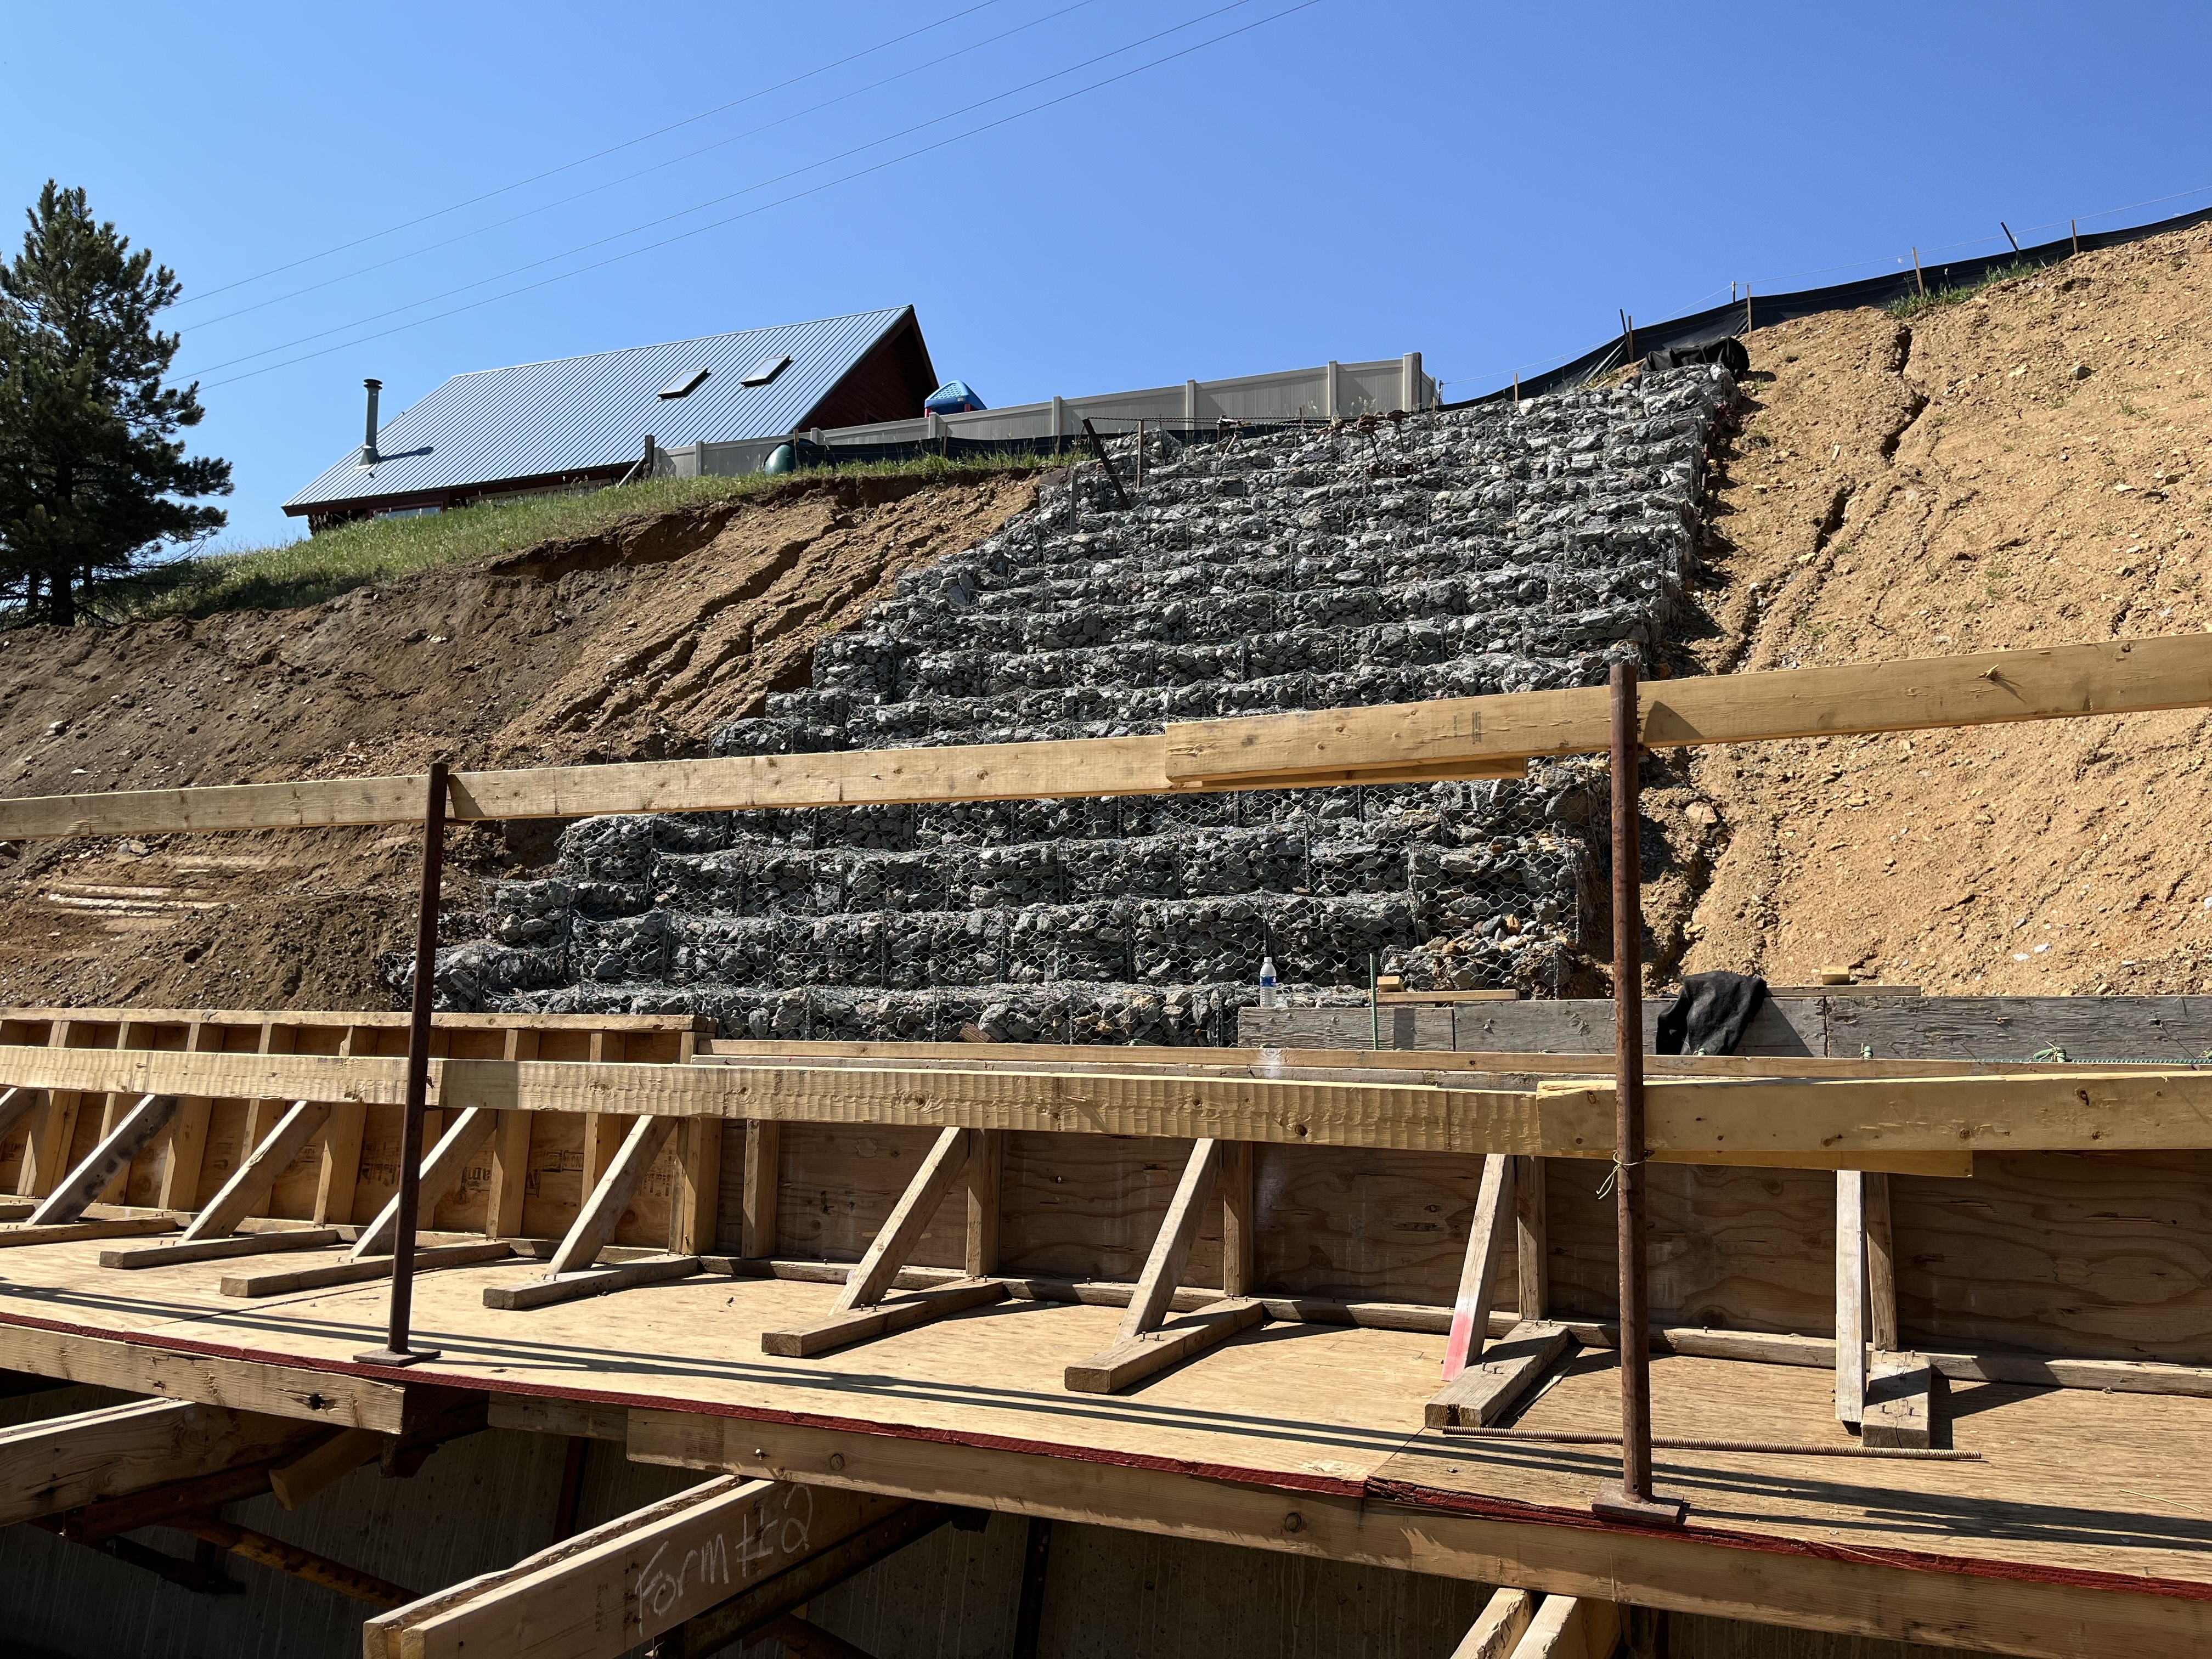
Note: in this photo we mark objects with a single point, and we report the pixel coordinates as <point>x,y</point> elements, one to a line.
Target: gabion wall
<point>1445,554</point>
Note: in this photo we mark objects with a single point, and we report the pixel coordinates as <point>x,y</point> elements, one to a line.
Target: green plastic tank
<point>782,458</point>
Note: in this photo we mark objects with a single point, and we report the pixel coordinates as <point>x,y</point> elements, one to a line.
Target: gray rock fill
<point>1454,554</point>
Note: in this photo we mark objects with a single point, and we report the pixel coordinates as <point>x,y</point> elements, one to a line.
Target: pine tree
<point>93,475</point>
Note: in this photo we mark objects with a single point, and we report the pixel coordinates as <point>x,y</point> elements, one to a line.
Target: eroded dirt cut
<point>633,644</point>
<point>2027,469</point>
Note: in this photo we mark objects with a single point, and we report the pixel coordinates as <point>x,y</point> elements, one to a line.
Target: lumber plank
<point>1239,1218</point>
<point>441,1172</point>
<point>46,1146</point>
<point>140,1129</point>
<point>1850,1295</point>
<point>250,1182</point>
<point>864,1324</point>
<point>1880,1262</point>
<point>362,1270</point>
<point>763,1160</point>
<point>1471,1307</point>
<point>1837,1590</point>
<point>510,1152</point>
<point>1531,1241</point>
<point>17,1235</point>
<point>315,1468</point>
<point>219,1250</point>
<point>697,1189</point>
<point>595,1224</point>
<point>587,1282</point>
<point>640,1577</point>
<point>59,1463</point>
<point>1900,1402</point>
<point>252,1385</point>
<point>1571,1627</point>
<point>535,1415</point>
<point>984,1173</point>
<point>1499,1628</point>
<point>1170,1252</point>
<point>944,1164</point>
<point>179,1188</point>
<point>1484,1390</point>
<point>1976,689</point>
<point>1131,1358</point>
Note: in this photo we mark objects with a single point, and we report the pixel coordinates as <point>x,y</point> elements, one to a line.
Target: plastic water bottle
<point>1267,981</point>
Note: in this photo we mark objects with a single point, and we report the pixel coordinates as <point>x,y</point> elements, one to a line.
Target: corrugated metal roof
<point>574,412</point>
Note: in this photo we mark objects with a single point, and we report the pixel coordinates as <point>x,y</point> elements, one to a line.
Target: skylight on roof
<point>765,370</point>
<point>685,383</point>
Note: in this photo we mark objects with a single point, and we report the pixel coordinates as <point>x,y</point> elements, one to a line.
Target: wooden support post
<point>1489,1387</point>
<point>1532,1247</point>
<point>180,1167</point>
<point>140,1128</point>
<point>1498,1631</point>
<point>1470,1322</point>
<point>1238,1218</point>
<point>405,1219</point>
<point>440,1173</point>
<point>128,1035</point>
<point>764,1161</point>
<point>510,1154</point>
<point>1633,1499</point>
<point>986,1162</point>
<point>47,1146</point>
<point>250,1182</point>
<point>1851,1296</point>
<point>1143,1346</point>
<point>697,1188</point>
<point>59,1463</point>
<point>1900,1402</point>
<point>313,1469</point>
<point>1571,1627</point>
<point>861,1312</point>
<point>341,1163</point>
<point>594,1229</point>
<point>1881,1265</point>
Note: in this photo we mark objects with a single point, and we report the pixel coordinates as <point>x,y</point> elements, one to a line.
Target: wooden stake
<point>1918,280</point>
<point>1851,1296</point>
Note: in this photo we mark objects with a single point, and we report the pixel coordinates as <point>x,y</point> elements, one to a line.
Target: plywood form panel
<point>838,1183</point>
<point>1089,1206</point>
<point>553,1194</point>
<point>1365,1223</point>
<point>2091,1254</point>
<point>2020,1028</point>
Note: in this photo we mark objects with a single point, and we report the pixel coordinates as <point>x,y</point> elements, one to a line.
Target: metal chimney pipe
<point>368,456</point>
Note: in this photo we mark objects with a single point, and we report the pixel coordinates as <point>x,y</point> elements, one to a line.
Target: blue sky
<point>1487,184</point>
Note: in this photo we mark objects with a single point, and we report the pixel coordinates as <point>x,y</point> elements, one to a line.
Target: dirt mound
<point>633,644</point>
<point>2028,468</point>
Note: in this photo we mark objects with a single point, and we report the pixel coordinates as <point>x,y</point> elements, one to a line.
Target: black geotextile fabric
<point>1756,311</point>
<point>1711,1015</point>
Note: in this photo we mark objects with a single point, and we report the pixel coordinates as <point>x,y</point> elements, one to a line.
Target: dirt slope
<point>2033,467</point>
<point>630,645</point>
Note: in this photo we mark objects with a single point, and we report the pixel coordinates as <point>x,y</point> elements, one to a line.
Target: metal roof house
<point>581,420</point>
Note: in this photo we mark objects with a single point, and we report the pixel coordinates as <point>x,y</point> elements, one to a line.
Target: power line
<point>811,190</point>
<point>727,196</point>
<point>629,178</point>
<point>582,161</point>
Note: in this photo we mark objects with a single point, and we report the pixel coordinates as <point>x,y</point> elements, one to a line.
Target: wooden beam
<point>1142,1347</point>
<point>65,1232</point>
<point>141,1128</point>
<point>859,1312</point>
<point>1980,689</point>
<point>1850,1295</point>
<point>1899,1406</point>
<point>1493,1205</point>
<point>693,1199</point>
<point>1532,1247</point>
<point>763,1163</point>
<point>59,1463</point>
<point>1484,1390</point>
<point>1571,1627</point>
<point>986,1160</point>
<point>441,1172</point>
<point>594,1229</point>
<point>588,1282</point>
<point>1499,1629</point>
<point>599,1595</point>
<point>220,1249</point>
<point>250,1182</point>
<point>510,1153</point>
<point>315,1468</point>
<point>1837,1590</point>
<point>841,1330</point>
<point>363,1270</point>
<point>887,1252</point>
<point>1882,1264</point>
<point>251,1385</point>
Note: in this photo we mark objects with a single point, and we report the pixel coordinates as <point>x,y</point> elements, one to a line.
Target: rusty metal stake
<point>1105,465</point>
<point>396,1351</point>
<point>1633,1500</point>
